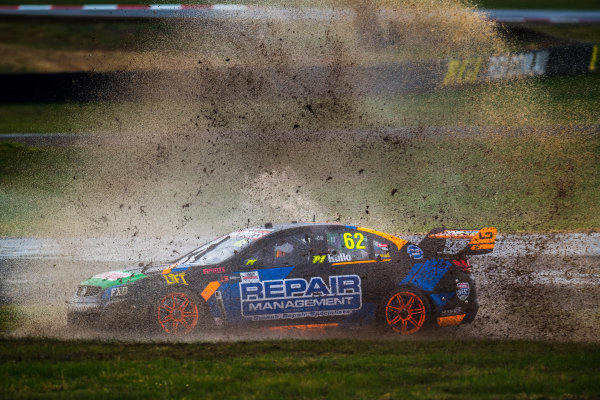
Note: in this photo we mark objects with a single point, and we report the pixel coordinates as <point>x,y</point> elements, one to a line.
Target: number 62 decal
<point>350,243</point>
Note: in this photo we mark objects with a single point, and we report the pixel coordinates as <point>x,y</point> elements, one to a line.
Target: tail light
<point>462,265</point>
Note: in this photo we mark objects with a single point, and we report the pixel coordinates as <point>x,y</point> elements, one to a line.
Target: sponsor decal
<point>414,252</point>
<point>463,290</point>
<point>250,262</point>
<point>83,306</point>
<point>355,241</point>
<point>463,71</point>
<point>520,64</point>
<point>299,298</point>
<point>216,270</point>
<point>251,277</point>
<point>452,311</point>
<point>331,258</point>
<point>175,278</point>
<point>118,291</point>
<point>113,275</point>
<point>318,259</point>
<point>175,268</point>
<point>339,258</point>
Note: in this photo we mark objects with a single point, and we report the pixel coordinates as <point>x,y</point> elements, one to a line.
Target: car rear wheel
<point>406,312</point>
<point>178,313</point>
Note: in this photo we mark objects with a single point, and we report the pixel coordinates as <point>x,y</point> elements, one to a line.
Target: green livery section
<point>113,278</point>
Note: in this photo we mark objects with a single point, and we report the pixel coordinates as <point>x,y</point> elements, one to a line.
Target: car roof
<point>294,224</point>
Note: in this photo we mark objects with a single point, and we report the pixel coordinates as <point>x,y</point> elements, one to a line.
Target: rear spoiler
<point>482,240</point>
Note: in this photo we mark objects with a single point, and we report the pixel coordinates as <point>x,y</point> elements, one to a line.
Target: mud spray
<point>183,156</point>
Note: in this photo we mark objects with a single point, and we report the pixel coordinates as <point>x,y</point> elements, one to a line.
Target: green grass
<point>10,318</point>
<point>539,4</point>
<point>536,181</point>
<point>529,182</point>
<point>582,32</point>
<point>33,182</point>
<point>328,369</point>
<point>543,102</point>
<point>83,34</point>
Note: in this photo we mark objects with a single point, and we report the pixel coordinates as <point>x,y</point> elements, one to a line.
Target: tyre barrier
<point>385,79</point>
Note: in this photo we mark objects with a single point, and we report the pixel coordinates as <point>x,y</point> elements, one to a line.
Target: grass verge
<point>332,369</point>
<point>10,318</point>
<point>523,182</point>
<point>542,102</point>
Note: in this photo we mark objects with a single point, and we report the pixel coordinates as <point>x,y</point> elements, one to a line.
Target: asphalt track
<point>228,11</point>
<point>90,139</point>
<point>531,287</point>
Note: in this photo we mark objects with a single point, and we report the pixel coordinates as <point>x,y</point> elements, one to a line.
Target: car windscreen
<point>222,248</point>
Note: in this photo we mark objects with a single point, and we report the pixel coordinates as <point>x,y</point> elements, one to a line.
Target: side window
<point>349,245</point>
<point>289,250</point>
<point>381,249</point>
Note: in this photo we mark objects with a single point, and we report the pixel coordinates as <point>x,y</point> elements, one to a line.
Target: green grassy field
<point>321,369</point>
<point>535,182</point>
<point>561,101</point>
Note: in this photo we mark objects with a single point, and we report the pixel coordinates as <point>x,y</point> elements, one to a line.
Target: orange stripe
<point>209,290</point>
<point>358,262</point>
<point>396,240</point>
<point>452,320</point>
<point>169,268</point>
<point>482,246</point>
<point>302,327</point>
<point>448,236</point>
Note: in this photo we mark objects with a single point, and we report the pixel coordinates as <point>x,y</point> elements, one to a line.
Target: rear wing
<point>482,241</point>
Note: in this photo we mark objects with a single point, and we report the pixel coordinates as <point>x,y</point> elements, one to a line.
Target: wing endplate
<point>482,243</point>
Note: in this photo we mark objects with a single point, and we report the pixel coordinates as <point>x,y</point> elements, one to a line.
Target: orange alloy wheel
<point>177,313</point>
<point>405,313</point>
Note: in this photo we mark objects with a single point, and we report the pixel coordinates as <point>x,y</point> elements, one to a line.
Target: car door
<point>360,256</point>
<point>268,279</point>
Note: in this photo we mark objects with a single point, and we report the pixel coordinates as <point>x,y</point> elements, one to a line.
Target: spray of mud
<point>193,157</point>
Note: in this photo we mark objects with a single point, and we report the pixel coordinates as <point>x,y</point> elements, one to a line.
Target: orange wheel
<point>405,312</point>
<point>178,313</point>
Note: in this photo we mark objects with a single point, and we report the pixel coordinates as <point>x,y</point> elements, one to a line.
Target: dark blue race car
<point>293,275</point>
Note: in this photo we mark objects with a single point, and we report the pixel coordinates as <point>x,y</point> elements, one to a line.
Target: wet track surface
<point>531,287</point>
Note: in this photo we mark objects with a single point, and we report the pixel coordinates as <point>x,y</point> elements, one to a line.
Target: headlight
<point>88,291</point>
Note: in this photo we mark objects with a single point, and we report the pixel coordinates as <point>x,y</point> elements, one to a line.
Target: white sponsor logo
<point>339,258</point>
<point>119,291</point>
<point>249,277</point>
<point>113,275</point>
<point>295,298</point>
<point>463,290</point>
<point>515,65</point>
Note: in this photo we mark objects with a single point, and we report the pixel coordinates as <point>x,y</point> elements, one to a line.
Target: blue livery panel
<point>426,275</point>
<point>298,298</point>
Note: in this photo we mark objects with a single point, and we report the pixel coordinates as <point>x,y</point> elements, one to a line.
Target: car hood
<point>124,276</point>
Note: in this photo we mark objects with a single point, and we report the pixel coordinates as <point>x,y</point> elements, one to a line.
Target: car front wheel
<point>177,313</point>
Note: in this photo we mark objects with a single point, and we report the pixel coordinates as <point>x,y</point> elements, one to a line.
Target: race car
<point>293,275</point>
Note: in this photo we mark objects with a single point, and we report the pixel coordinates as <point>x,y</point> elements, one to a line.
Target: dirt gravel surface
<point>532,287</point>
